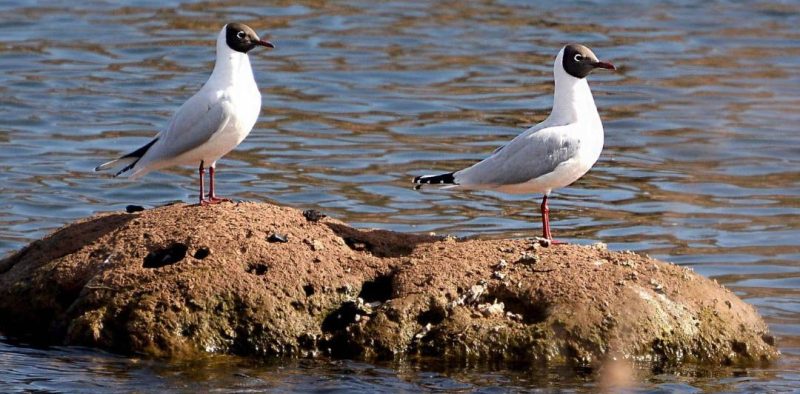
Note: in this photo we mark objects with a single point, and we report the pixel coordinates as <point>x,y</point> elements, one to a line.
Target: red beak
<point>607,66</point>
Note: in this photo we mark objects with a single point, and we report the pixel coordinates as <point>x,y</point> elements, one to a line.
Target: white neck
<point>231,67</point>
<point>572,100</point>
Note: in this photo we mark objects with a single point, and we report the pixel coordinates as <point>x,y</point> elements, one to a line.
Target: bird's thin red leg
<point>202,173</point>
<point>545,219</point>
<point>212,197</point>
<point>546,222</point>
<point>211,183</point>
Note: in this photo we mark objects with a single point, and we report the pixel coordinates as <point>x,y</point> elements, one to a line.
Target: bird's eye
<point>240,35</point>
<point>578,57</point>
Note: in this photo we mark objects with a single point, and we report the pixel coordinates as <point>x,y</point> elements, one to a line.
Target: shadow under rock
<point>381,243</point>
<point>65,240</point>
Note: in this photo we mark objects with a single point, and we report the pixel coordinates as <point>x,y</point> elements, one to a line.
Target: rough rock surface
<point>254,278</point>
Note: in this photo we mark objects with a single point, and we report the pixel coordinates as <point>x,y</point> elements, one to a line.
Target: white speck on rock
<point>490,309</point>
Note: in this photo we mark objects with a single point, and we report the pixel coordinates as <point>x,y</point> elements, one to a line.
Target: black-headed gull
<point>550,155</point>
<point>212,122</point>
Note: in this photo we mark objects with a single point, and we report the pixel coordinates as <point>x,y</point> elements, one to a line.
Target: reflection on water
<point>700,165</point>
<point>80,370</point>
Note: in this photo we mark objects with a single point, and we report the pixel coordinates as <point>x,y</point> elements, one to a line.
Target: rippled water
<point>701,164</point>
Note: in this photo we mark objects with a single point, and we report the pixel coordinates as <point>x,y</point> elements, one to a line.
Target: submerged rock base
<point>255,278</point>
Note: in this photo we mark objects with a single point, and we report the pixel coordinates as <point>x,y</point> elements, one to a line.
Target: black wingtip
<point>126,168</point>
<point>141,151</point>
<point>137,155</point>
<point>442,179</point>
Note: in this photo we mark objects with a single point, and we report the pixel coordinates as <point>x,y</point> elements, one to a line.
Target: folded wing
<point>193,125</point>
<point>532,154</point>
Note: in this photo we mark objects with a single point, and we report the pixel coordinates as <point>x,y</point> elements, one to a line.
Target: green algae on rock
<point>182,280</point>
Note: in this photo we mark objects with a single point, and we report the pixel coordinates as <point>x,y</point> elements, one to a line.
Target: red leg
<point>546,222</point>
<point>211,193</point>
<point>202,172</point>
<point>545,219</point>
<point>212,197</point>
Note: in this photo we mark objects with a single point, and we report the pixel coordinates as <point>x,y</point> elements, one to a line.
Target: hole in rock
<point>309,290</point>
<point>357,244</point>
<point>257,268</point>
<point>378,289</point>
<point>202,253</point>
<point>533,314</point>
<point>339,319</point>
<point>166,256</point>
<point>433,316</point>
<point>189,331</point>
<point>532,311</point>
<point>739,347</point>
<point>344,289</point>
<point>664,351</point>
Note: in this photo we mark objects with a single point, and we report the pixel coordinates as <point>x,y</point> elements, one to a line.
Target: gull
<point>212,122</point>
<point>550,155</point>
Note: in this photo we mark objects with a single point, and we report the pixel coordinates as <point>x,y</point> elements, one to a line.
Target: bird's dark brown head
<point>579,61</point>
<point>241,38</point>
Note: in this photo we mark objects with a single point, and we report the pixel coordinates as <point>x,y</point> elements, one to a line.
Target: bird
<point>212,122</point>
<point>550,155</point>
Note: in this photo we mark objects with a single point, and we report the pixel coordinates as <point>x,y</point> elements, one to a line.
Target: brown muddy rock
<point>254,278</point>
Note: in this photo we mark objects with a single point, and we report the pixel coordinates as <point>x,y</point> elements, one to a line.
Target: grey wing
<point>529,156</point>
<point>193,125</point>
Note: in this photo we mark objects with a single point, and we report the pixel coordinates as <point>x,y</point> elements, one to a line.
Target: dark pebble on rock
<point>275,237</point>
<point>312,215</point>
<point>134,208</point>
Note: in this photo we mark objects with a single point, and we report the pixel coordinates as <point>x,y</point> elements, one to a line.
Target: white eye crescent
<point>578,57</point>
<point>240,35</point>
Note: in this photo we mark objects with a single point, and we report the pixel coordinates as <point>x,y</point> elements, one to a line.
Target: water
<point>700,165</point>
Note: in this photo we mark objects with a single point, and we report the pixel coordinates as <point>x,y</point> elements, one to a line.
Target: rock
<point>528,258</point>
<point>275,237</point>
<point>312,215</point>
<point>134,208</point>
<point>181,281</point>
<point>491,309</point>
<point>474,294</point>
<point>315,245</point>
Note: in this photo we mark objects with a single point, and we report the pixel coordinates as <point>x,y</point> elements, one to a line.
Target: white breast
<point>237,88</point>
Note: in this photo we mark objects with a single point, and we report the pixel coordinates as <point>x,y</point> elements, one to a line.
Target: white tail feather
<point>126,161</point>
<point>115,163</point>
